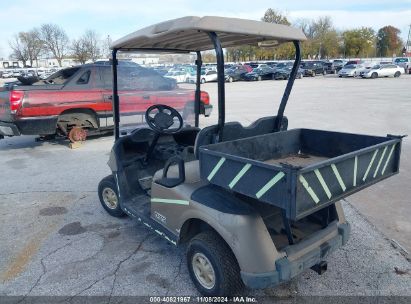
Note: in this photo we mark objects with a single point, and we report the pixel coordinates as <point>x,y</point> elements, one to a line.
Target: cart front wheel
<point>212,266</point>
<point>107,192</point>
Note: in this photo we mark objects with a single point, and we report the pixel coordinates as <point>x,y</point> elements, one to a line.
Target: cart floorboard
<point>300,170</point>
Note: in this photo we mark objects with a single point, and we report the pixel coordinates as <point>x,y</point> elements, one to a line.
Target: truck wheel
<point>397,74</point>
<point>212,266</point>
<point>107,192</point>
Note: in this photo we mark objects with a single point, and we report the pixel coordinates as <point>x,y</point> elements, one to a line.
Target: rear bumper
<point>29,126</point>
<point>287,269</point>
<point>8,129</point>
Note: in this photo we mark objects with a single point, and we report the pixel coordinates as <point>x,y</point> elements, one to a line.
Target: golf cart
<point>255,205</point>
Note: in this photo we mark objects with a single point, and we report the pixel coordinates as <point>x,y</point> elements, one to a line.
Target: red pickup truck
<point>80,99</point>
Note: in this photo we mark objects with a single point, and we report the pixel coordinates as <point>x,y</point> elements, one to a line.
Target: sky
<point>120,17</point>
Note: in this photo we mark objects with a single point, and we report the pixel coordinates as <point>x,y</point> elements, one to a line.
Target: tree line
<point>51,40</point>
<point>323,41</point>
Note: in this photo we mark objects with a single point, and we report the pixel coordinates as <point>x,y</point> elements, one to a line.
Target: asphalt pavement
<point>56,239</point>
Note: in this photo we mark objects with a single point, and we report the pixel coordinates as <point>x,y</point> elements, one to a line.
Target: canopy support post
<point>290,83</point>
<point>197,101</point>
<point>115,98</point>
<point>221,83</point>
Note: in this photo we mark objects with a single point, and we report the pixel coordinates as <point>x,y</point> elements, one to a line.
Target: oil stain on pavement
<point>72,229</point>
<point>50,211</point>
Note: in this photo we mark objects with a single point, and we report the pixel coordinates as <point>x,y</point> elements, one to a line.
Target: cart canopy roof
<point>189,34</point>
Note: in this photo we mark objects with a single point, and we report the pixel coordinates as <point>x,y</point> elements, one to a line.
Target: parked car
<point>404,62</point>
<point>283,65</point>
<point>329,67</point>
<point>206,76</point>
<point>16,74</point>
<point>235,73</point>
<point>284,74</point>
<point>355,61</point>
<point>262,73</point>
<point>350,70</point>
<point>313,68</point>
<point>178,76</point>
<point>382,70</point>
<point>7,74</point>
<point>338,64</point>
<point>78,100</point>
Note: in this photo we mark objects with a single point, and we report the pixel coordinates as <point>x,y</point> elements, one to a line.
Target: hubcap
<point>203,270</point>
<point>110,198</point>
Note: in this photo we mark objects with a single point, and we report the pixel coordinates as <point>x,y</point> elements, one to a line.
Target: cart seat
<point>234,130</point>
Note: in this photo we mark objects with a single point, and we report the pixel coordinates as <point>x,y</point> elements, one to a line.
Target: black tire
<point>108,183</point>
<point>374,75</point>
<point>397,74</point>
<point>227,272</point>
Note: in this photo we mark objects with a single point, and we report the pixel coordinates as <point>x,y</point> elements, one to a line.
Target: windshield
<point>141,87</point>
<point>401,60</point>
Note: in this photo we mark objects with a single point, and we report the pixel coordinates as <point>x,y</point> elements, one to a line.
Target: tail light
<point>205,98</point>
<point>16,99</point>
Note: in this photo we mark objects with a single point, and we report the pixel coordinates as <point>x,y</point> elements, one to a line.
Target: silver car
<point>382,70</point>
<point>350,70</point>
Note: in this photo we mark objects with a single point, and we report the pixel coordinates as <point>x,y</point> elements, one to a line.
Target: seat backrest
<point>234,130</point>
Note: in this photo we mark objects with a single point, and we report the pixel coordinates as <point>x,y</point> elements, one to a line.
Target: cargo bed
<point>300,170</point>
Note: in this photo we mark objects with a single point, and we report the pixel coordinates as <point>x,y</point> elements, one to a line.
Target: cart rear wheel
<point>397,74</point>
<point>212,266</point>
<point>107,192</point>
<point>374,75</point>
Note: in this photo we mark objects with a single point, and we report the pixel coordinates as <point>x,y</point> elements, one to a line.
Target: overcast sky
<point>120,17</point>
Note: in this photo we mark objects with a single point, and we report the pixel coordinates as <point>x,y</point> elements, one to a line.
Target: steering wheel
<point>161,117</point>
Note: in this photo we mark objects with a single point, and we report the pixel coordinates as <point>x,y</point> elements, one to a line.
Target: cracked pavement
<point>56,239</point>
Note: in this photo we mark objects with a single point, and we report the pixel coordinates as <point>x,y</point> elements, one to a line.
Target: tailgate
<point>329,181</point>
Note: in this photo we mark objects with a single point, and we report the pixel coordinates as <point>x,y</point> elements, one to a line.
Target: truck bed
<point>300,170</point>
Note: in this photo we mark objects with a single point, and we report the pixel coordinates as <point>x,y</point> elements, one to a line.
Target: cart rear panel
<point>300,170</point>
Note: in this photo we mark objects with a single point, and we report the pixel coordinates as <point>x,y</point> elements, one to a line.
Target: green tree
<point>323,39</point>
<point>359,42</point>
<point>283,51</point>
<point>388,41</point>
<point>273,16</point>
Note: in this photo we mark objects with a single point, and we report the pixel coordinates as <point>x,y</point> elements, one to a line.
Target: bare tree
<point>91,41</point>
<point>19,50</point>
<point>86,47</point>
<point>79,50</point>
<point>31,40</point>
<point>55,39</point>
<point>105,47</point>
